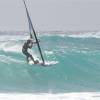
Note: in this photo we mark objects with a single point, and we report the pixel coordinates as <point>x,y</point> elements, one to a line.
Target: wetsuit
<point>25,48</point>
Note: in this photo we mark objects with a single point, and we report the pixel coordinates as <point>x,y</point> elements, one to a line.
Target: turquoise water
<point>73,64</point>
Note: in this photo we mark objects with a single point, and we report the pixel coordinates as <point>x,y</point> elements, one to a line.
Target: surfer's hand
<point>36,41</point>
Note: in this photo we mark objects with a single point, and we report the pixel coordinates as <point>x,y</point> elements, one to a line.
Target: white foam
<point>10,47</point>
<point>74,34</point>
<point>46,62</point>
<point>16,48</point>
<point>48,96</point>
<point>51,62</point>
<point>10,43</point>
<point>13,37</point>
<point>48,52</point>
<point>85,35</point>
<point>31,62</point>
<point>50,35</point>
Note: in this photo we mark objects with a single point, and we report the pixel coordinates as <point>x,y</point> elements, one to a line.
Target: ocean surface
<point>72,70</point>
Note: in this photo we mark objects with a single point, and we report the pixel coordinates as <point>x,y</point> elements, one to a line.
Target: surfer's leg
<point>26,54</point>
<point>35,61</point>
<point>30,56</point>
<point>27,59</point>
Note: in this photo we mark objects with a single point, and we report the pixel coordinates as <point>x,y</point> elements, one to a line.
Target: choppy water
<point>73,65</point>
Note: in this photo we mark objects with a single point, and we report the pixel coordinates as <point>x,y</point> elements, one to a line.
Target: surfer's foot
<point>36,62</point>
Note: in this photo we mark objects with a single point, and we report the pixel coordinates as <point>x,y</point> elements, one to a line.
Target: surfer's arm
<point>34,42</point>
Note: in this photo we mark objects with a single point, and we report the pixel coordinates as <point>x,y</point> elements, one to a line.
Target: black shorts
<point>26,53</point>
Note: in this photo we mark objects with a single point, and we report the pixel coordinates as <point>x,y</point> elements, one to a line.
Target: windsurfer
<point>28,45</point>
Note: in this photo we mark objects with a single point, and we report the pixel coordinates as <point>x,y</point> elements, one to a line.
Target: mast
<point>28,17</point>
<point>31,36</point>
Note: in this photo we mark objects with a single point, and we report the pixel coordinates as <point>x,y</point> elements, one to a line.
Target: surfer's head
<point>29,41</point>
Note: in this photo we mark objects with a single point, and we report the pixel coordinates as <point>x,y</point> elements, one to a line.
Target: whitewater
<point>72,71</point>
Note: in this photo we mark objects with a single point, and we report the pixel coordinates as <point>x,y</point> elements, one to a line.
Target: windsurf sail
<point>32,32</point>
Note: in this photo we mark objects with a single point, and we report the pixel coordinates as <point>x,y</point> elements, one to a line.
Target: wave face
<point>73,64</point>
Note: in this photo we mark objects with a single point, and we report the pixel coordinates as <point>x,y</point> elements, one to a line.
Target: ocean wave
<point>49,34</point>
<point>10,47</point>
<point>74,34</point>
<point>9,60</point>
<point>75,65</point>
